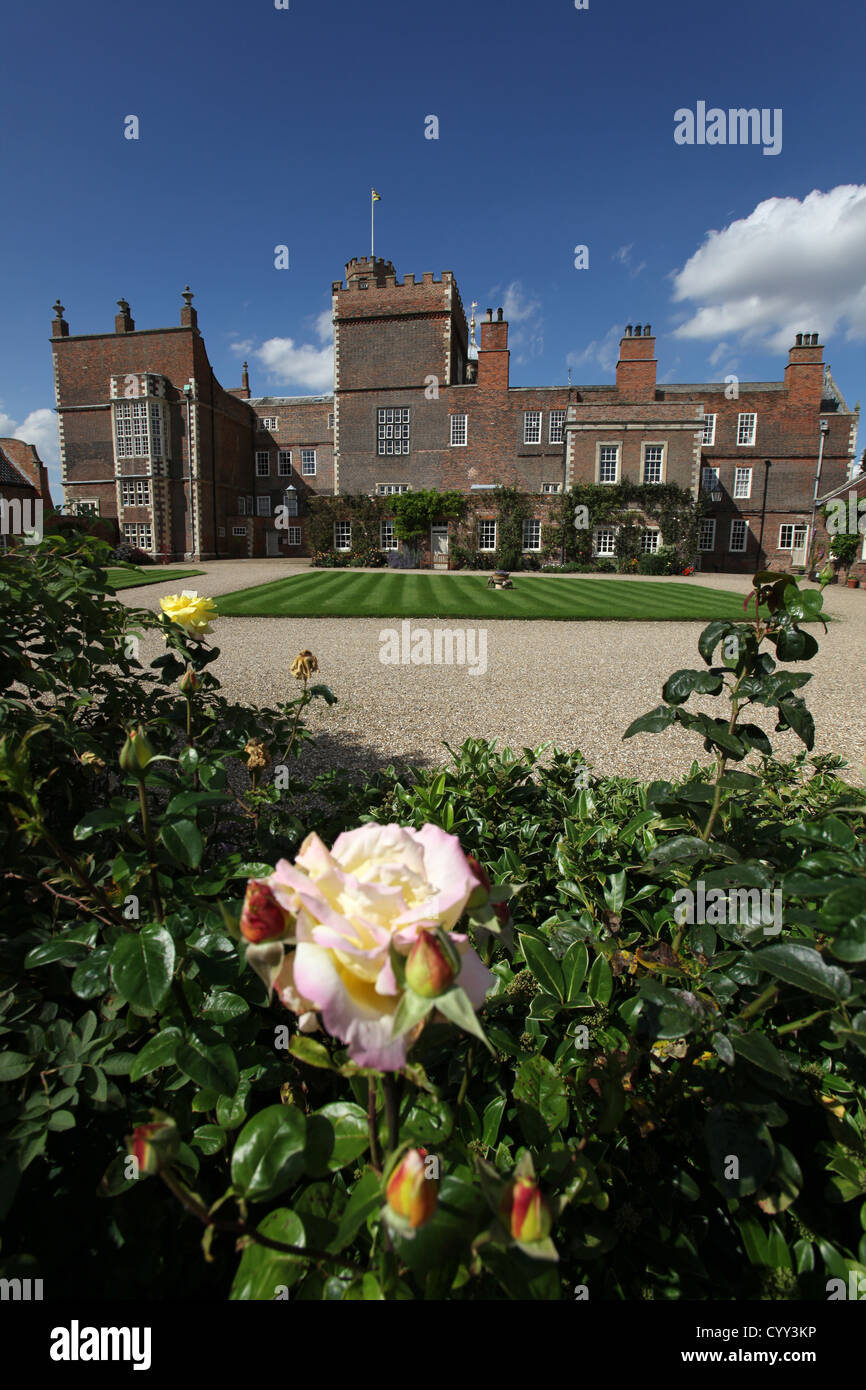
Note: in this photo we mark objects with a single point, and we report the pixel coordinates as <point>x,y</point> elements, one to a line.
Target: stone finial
<point>188,296</point>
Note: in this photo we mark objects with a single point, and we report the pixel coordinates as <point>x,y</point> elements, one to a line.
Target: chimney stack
<point>493,355</point>
<point>636,368</point>
<point>188,315</point>
<point>245,383</point>
<point>59,326</point>
<point>123,322</point>
<point>804,374</point>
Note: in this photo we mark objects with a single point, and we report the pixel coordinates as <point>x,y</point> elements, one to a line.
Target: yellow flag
<point>376,196</point>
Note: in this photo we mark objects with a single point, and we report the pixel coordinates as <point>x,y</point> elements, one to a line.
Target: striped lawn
<point>121,577</point>
<point>337,594</point>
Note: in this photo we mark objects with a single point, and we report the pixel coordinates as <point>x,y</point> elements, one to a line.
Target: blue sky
<point>261,127</point>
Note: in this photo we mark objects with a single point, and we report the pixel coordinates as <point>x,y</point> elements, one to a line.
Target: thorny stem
<point>304,701</point>
<point>65,897</point>
<point>375,1155</point>
<point>758,1004</point>
<point>239,1228</point>
<point>148,840</point>
<point>389,1085</point>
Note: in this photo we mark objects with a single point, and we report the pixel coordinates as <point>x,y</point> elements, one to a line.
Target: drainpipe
<point>825,427</point>
<point>188,393</point>
<point>216,541</point>
<point>767,466</point>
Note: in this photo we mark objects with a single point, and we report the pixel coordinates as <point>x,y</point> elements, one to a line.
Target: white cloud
<point>242,348</point>
<point>601,351</point>
<point>39,428</point>
<point>623,255</point>
<point>523,315</point>
<point>288,363</point>
<point>325,326</point>
<point>788,267</point>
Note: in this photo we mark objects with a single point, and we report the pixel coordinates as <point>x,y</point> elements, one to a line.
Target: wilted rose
<point>303,666</point>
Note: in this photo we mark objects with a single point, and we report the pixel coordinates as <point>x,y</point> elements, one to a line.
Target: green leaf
<point>804,605</point>
<point>269,1154</point>
<point>599,985</point>
<point>209,1138</point>
<point>712,636</point>
<point>456,1006</point>
<point>221,1006</point>
<point>14,1064</point>
<point>540,1087</point>
<point>410,1011</point>
<point>793,714</point>
<point>756,1048</point>
<point>682,849</point>
<point>351,1139</point>
<point>800,965</point>
<point>183,842</point>
<point>366,1198</point>
<point>95,821</point>
<point>492,1119</point>
<point>543,966</point>
<point>575,964</point>
<point>91,978</point>
<point>263,1273</point>
<point>208,1062</point>
<point>315,1054</point>
<point>58,949</point>
<point>679,686</point>
<point>158,1052</point>
<point>659,718</point>
<point>142,965</point>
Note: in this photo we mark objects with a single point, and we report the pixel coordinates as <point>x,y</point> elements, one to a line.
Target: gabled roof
<point>9,474</point>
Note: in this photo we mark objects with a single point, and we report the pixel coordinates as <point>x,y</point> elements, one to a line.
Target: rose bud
<point>481,895</point>
<point>411,1194</point>
<point>188,683</point>
<point>433,964</point>
<point>262,918</point>
<point>525,1212</point>
<point>503,913</point>
<point>136,753</point>
<point>154,1145</point>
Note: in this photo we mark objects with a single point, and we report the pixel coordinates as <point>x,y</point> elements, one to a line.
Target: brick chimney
<point>59,326</point>
<point>493,354</point>
<point>123,322</point>
<point>245,383</point>
<point>188,315</point>
<point>804,374</point>
<point>636,368</point>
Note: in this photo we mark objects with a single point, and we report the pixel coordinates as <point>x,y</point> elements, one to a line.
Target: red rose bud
<point>481,894</point>
<point>410,1194</point>
<point>188,683</point>
<point>136,753</point>
<point>262,918</point>
<point>503,913</point>
<point>154,1145</point>
<point>433,964</point>
<point>525,1212</point>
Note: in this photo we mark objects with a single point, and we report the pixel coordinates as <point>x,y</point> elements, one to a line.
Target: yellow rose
<point>189,610</point>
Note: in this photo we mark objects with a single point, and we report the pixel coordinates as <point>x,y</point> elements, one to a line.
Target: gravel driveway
<point>579,684</point>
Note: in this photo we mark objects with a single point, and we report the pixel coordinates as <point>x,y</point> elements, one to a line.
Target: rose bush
<point>575,1116</point>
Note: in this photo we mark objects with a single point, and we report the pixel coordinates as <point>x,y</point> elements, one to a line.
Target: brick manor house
<point>193,471</point>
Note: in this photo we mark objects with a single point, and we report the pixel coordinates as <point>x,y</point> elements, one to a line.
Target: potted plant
<point>844,548</point>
